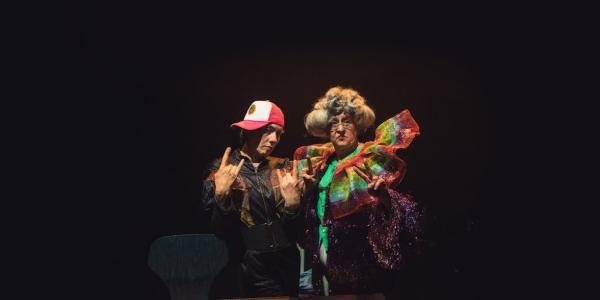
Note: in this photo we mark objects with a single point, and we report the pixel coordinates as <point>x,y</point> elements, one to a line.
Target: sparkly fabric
<point>364,238</point>
<point>323,189</point>
<point>362,246</point>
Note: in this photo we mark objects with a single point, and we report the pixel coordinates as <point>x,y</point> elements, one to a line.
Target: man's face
<point>342,132</point>
<point>265,139</point>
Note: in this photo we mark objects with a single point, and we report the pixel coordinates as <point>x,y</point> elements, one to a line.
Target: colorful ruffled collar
<point>348,191</point>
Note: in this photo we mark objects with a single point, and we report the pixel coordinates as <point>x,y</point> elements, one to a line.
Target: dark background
<point>159,86</point>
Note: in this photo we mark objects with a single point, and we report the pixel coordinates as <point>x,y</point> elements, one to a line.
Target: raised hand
<point>374,184</point>
<point>289,186</point>
<point>225,175</point>
<point>308,174</point>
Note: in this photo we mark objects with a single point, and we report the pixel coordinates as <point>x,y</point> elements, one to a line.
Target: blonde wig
<point>338,100</point>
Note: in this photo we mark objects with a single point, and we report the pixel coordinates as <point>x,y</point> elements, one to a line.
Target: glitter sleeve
<point>394,235</point>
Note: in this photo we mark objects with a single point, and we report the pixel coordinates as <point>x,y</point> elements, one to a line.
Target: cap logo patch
<point>251,109</point>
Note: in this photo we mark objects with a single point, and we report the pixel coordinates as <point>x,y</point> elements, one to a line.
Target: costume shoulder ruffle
<point>348,191</point>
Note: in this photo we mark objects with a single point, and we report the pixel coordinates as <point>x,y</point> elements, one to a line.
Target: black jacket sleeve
<point>223,214</point>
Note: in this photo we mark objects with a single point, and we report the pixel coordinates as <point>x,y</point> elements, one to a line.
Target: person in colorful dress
<point>359,227</point>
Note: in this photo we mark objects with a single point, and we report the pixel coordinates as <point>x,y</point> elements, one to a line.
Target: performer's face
<point>265,139</point>
<point>342,132</point>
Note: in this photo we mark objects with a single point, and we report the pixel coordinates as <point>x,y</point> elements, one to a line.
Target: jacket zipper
<point>260,190</point>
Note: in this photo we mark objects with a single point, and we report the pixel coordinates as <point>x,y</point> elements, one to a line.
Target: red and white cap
<point>261,113</point>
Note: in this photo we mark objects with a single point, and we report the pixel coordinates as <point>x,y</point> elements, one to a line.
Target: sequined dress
<point>365,241</point>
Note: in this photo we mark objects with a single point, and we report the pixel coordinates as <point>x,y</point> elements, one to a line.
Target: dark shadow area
<point>165,83</point>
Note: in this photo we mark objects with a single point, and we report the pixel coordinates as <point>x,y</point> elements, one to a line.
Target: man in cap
<point>254,201</point>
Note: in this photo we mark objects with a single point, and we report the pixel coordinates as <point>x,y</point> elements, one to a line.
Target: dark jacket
<point>254,216</point>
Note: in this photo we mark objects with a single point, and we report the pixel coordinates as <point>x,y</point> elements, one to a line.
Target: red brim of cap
<point>250,125</point>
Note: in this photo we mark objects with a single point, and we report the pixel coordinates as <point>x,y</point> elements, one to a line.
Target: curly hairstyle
<point>335,101</point>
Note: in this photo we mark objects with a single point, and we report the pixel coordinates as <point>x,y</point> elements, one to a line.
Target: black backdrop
<point>164,82</point>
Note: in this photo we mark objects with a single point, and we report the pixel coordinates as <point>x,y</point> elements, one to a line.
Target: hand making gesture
<point>290,188</point>
<point>308,174</point>
<point>225,176</point>
<point>374,184</point>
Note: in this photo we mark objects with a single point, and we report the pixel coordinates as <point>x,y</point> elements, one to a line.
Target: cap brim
<point>250,125</point>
